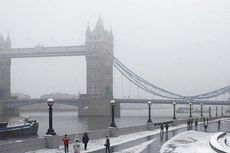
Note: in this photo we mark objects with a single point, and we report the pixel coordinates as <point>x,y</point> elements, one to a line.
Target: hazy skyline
<point>181,46</point>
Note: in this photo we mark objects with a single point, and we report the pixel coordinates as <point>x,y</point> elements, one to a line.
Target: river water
<point>66,121</point>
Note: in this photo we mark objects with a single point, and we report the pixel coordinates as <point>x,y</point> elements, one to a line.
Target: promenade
<point>146,141</point>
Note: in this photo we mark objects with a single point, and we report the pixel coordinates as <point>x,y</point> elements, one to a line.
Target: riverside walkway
<point>147,141</point>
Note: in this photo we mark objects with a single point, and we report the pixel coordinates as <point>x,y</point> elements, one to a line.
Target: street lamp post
<point>190,109</point>
<point>222,111</point>
<point>174,110</point>
<point>112,106</point>
<point>216,111</point>
<point>149,104</point>
<point>201,109</point>
<point>50,103</point>
<point>209,111</point>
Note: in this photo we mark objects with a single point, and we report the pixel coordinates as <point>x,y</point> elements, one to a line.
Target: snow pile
<point>220,142</point>
<point>188,142</point>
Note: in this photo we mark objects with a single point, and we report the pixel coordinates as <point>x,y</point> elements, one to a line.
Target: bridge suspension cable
<point>155,90</point>
<point>145,85</point>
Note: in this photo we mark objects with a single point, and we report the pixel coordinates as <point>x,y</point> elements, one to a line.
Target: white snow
<point>221,143</point>
<point>138,148</point>
<point>97,144</point>
<point>188,142</point>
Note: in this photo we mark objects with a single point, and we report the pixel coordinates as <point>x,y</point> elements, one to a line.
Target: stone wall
<point>23,146</point>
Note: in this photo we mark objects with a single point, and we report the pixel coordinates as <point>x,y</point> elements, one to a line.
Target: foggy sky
<point>182,46</point>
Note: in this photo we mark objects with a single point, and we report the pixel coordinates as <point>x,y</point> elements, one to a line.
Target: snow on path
<point>188,142</point>
<point>138,148</point>
<point>97,144</point>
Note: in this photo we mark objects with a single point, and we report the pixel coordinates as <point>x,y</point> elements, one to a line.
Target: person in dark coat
<point>107,145</point>
<point>188,123</point>
<point>162,127</point>
<point>219,125</point>
<point>196,122</point>
<point>85,140</point>
<point>166,127</point>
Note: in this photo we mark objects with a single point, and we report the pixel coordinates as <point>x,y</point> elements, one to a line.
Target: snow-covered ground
<point>188,142</point>
<point>99,143</point>
<point>223,143</point>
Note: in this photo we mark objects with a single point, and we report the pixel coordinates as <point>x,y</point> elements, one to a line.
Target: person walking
<point>166,127</point>
<point>219,125</point>
<point>196,123</point>
<point>66,143</point>
<point>107,145</point>
<point>162,127</point>
<point>76,146</point>
<point>85,140</point>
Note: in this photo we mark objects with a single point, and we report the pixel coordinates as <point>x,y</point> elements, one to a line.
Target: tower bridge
<point>98,51</point>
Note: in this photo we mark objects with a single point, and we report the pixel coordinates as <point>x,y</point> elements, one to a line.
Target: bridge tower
<point>5,64</point>
<point>99,70</point>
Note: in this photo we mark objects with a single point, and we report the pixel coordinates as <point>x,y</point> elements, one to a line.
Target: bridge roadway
<point>74,102</point>
<point>43,52</point>
<point>164,101</point>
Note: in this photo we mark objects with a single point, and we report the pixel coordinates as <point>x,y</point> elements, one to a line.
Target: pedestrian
<point>77,145</point>
<point>85,140</point>
<point>66,143</point>
<point>166,127</point>
<point>205,127</point>
<point>107,145</point>
<point>162,127</point>
<point>196,122</point>
<point>188,123</point>
<point>218,124</point>
<point>191,121</point>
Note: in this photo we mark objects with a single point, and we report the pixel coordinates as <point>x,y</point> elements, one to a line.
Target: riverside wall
<point>56,141</point>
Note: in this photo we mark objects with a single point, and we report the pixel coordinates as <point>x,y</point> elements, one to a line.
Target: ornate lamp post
<point>190,109</point>
<point>50,103</point>
<point>174,110</point>
<point>222,111</point>
<point>112,106</point>
<point>209,112</point>
<point>216,111</point>
<point>201,109</point>
<point>149,104</point>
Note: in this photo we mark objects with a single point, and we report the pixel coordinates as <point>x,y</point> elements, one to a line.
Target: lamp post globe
<point>190,109</point>
<point>112,102</point>
<point>50,102</point>
<point>149,105</point>
<point>174,110</point>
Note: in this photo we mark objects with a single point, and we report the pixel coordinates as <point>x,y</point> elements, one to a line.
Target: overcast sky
<point>179,45</point>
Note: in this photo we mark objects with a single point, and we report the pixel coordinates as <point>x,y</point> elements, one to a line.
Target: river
<point>66,121</point>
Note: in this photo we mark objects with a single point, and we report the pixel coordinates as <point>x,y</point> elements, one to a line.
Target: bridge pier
<point>99,71</point>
